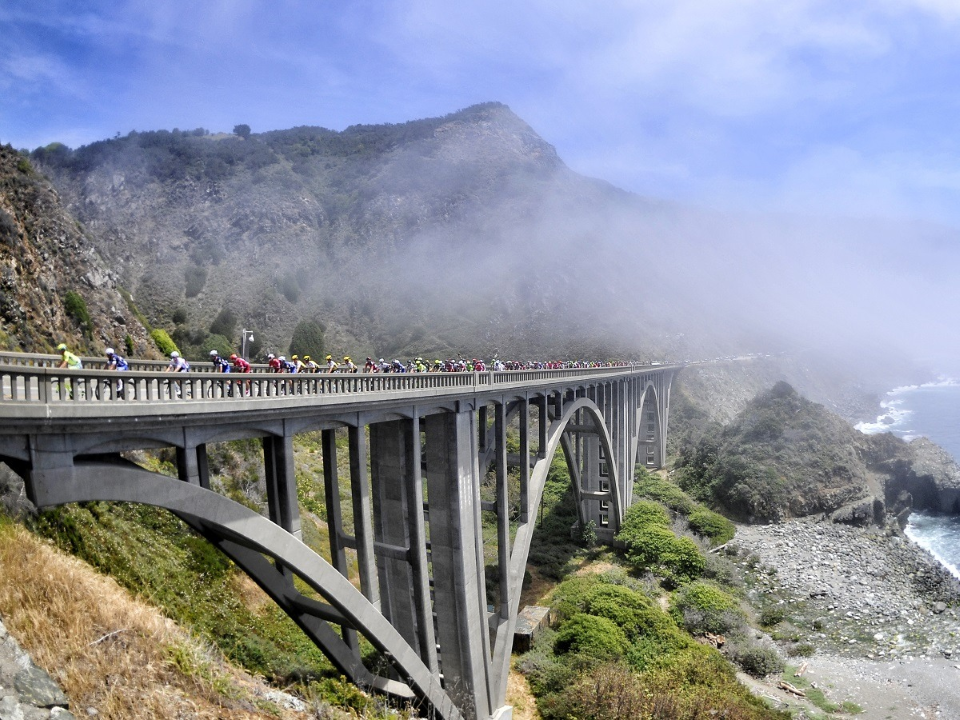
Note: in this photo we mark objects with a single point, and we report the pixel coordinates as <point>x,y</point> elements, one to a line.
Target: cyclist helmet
<point>213,353</point>
<point>61,347</point>
<point>233,357</point>
<point>174,354</point>
<point>108,351</point>
<point>271,356</point>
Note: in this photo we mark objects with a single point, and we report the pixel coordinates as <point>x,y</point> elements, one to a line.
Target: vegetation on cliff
<point>54,286</point>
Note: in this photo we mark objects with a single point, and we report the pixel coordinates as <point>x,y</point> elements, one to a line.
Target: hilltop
<point>465,232</point>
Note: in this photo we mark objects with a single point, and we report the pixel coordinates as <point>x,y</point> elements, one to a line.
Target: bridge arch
<point>246,537</point>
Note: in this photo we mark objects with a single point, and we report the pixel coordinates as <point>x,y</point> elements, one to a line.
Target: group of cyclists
<point>418,365</point>
<point>233,363</point>
<point>305,364</point>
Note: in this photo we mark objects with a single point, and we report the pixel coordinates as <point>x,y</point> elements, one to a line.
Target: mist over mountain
<point>467,233</point>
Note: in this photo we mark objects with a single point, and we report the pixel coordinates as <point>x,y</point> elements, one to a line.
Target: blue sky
<point>846,107</point>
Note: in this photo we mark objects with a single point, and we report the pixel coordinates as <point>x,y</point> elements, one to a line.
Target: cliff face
<point>44,255</point>
<point>919,475</point>
<point>785,456</point>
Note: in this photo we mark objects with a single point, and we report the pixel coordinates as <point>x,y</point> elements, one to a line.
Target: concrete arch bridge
<point>420,446</point>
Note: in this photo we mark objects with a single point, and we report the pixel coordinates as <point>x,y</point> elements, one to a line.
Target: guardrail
<point>41,383</point>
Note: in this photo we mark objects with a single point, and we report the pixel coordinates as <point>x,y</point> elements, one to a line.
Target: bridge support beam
<point>281,483</point>
<point>399,534</point>
<point>456,549</point>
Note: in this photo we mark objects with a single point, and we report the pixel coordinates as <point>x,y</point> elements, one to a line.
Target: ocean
<point>933,411</point>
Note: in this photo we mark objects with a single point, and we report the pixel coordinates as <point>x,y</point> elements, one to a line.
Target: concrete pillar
<point>282,483</point>
<point>192,465</point>
<point>331,492</point>
<point>363,515</point>
<point>390,472</point>
<point>503,509</point>
<point>543,424</point>
<point>524,419</point>
<point>457,554</point>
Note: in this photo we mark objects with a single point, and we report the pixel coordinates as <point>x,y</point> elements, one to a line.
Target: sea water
<point>932,411</point>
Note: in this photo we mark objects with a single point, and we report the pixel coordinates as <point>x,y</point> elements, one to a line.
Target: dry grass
<point>520,696</point>
<point>60,609</point>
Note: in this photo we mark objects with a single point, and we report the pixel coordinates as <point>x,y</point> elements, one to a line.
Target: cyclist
<point>220,364</point>
<point>177,363</point>
<point>68,359</point>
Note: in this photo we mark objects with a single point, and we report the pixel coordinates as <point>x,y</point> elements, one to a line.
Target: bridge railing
<point>43,383</point>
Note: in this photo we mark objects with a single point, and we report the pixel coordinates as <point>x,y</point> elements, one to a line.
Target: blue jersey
<point>118,362</point>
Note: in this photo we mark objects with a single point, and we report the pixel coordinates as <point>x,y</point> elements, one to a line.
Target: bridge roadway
<point>428,464</point>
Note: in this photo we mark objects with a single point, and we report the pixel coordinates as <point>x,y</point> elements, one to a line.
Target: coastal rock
<point>870,511</point>
<point>920,469</point>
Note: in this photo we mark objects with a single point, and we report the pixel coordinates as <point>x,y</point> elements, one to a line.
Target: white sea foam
<point>892,419</point>
<point>938,536</point>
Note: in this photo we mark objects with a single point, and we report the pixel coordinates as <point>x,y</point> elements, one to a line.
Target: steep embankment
<point>54,286</point>
<point>785,456</point>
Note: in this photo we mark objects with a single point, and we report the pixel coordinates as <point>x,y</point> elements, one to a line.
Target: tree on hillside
<point>242,130</point>
<point>307,339</point>
<point>225,323</point>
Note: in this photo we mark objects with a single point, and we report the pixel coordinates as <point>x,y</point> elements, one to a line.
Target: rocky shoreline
<point>881,614</point>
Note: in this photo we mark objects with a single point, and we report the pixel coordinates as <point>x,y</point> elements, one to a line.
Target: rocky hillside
<point>54,285</point>
<point>463,232</point>
<point>785,456</point>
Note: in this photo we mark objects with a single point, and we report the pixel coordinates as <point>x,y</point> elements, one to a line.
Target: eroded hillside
<point>47,260</point>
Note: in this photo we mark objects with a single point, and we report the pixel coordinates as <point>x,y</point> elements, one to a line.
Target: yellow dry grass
<point>520,696</point>
<point>63,612</point>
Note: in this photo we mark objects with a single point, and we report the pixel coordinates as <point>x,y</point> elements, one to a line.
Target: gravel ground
<point>879,611</point>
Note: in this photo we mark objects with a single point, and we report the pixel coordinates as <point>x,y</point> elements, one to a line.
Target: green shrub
<point>128,344</point>
<point>711,525</point>
<point>76,308</point>
<point>656,548</point>
<point>659,648</point>
<point>701,607</point>
<point>546,671</point>
<point>655,488</point>
<point>224,324</point>
<point>195,277</point>
<point>179,316</point>
<point>755,659</point>
<point>629,610</point>
<point>642,514</point>
<point>802,649</point>
<point>572,596</point>
<point>590,636</point>
<point>308,339</point>
<point>289,288</point>
<point>722,571</point>
<point>342,694</point>
<point>163,341</point>
<point>772,616</point>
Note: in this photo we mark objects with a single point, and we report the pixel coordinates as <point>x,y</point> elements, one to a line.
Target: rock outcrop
<point>44,255</point>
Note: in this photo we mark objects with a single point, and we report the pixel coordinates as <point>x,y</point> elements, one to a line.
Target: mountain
<point>468,234</point>
<point>54,285</point>
<point>462,233</point>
